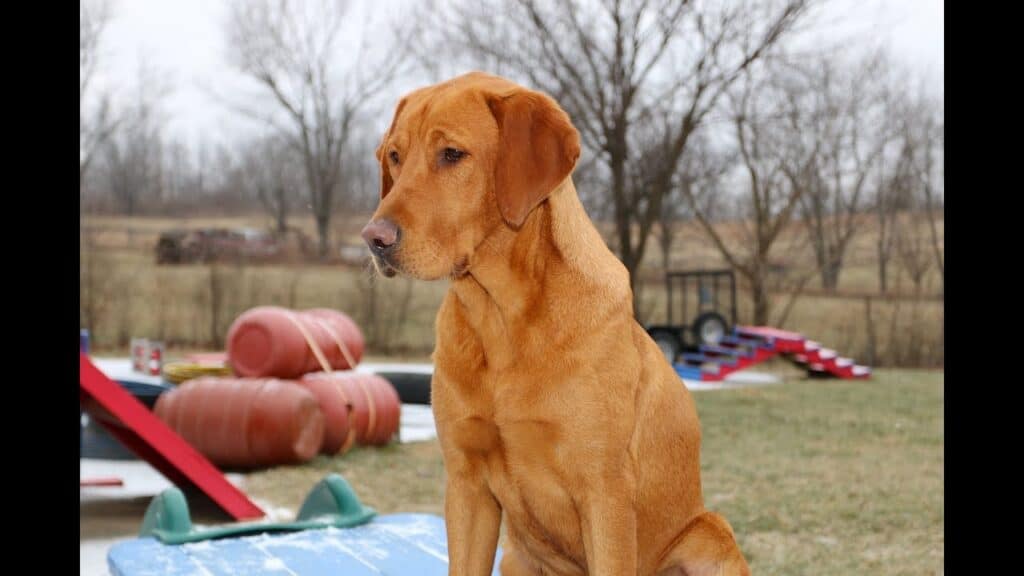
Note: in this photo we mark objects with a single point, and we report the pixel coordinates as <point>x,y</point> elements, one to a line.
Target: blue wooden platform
<point>396,544</point>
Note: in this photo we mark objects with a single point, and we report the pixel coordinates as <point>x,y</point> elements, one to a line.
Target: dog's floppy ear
<point>538,149</point>
<point>385,173</point>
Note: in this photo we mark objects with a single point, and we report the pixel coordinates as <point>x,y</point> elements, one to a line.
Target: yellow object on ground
<point>178,372</point>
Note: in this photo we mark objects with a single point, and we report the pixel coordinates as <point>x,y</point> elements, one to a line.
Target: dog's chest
<point>525,463</point>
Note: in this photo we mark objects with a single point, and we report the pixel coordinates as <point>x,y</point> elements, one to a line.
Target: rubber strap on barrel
<point>341,343</point>
<point>372,409</point>
<point>351,438</point>
<point>310,341</point>
<point>322,359</point>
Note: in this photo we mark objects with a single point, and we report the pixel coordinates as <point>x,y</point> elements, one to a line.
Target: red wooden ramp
<point>749,345</point>
<point>136,427</point>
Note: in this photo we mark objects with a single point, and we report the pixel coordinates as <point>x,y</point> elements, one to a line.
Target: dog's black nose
<point>381,236</point>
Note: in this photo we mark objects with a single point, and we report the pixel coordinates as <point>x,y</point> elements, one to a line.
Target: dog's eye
<point>452,155</point>
<point>394,156</point>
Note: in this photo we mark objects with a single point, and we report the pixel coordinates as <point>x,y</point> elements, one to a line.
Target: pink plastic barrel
<point>272,341</point>
<point>245,423</point>
<point>376,408</point>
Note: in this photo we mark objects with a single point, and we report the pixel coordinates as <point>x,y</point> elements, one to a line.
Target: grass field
<point>816,477</point>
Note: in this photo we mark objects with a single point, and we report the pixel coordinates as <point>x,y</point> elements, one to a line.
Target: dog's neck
<point>511,270</point>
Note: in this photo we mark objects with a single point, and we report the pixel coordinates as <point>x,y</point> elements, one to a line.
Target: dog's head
<point>460,159</point>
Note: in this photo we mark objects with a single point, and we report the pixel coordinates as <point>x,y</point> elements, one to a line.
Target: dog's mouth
<point>389,267</point>
<point>385,267</point>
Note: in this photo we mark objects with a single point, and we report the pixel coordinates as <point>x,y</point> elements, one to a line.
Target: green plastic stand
<point>331,503</point>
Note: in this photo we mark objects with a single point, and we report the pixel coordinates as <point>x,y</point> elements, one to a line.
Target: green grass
<point>816,477</point>
<point>393,478</point>
<point>822,477</point>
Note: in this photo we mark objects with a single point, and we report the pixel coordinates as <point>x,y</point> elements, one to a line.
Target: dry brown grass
<point>192,306</point>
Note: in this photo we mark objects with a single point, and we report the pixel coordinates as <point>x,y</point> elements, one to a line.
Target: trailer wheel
<point>709,328</point>
<point>668,343</point>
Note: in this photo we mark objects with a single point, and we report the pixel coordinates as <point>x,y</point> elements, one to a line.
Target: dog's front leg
<point>609,528</point>
<point>472,517</point>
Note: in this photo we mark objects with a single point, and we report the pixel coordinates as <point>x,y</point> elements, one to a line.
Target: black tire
<point>709,328</point>
<point>96,442</point>
<point>412,388</point>
<point>668,343</point>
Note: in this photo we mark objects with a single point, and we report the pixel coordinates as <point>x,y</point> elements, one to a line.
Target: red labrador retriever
<point>555,410</point>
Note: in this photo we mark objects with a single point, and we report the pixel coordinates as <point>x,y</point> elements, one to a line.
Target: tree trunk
<point>883,280</point>
<point>830,275</point>
<point>282,223</point>
<point>936,245</point>
<point>323,220</point>
<point>760,307</point>
<point>882,251</point>
<point>759,293</point>
<point>281,209</point>
<point>666,245</point>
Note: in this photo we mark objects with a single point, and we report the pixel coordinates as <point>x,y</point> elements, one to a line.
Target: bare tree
<point>274,172</point>
<point>929,142</point>
<point>887,204</point>
<point>361,187</point>
<point>637,78</point>
<point>767,205</point>
<point>178,172</point>
<point>95,125</point>
<point>92,20</point>
<point>700,175</point>
<point>911,182</point>
<point>187,175</point>
<point>668,221</point>
<point>836,137</point>
<point>228,185</point>
<point>290,49</point>
<point>910,177</point>
<point>914,254</point>
<point>133,158</point>
<point>896,183</point>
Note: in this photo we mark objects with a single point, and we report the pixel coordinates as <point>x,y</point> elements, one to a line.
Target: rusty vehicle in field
<point>250,245</point>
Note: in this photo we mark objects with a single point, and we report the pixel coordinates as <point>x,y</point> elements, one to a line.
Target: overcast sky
<point>184,41</point>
